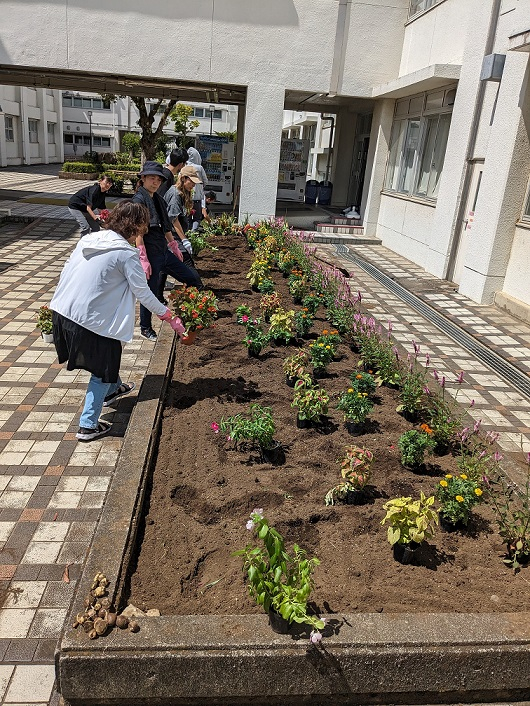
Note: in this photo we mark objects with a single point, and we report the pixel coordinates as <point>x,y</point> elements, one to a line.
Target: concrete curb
<point>230,660</point>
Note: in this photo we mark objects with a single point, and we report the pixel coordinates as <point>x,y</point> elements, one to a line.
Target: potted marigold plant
<point>279,581</point>
<point>457,496</point>
<point>356,406</point>
<point>197,310</point>
<point>44,323</point>
<point>411,522</point>
<point>413,446</point>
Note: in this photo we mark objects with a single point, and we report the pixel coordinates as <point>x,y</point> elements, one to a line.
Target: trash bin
<point>311,190</point>
<point>324,193</point>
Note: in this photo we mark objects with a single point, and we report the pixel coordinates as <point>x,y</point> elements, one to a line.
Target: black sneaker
<point>124,389</point>
<point>149,334</point>
<point>84,434</point>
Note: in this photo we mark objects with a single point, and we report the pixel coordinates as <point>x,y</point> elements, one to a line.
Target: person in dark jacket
<point>158,249</point>
<point>176,159</point>
<point>83,203</point>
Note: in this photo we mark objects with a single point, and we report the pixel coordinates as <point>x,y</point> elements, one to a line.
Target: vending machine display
<point>293,168</point>
<point>217,155</point>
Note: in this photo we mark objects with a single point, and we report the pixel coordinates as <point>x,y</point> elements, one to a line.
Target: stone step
<point>343,239</point>
<point>340,220</point>
<point>341,229</point>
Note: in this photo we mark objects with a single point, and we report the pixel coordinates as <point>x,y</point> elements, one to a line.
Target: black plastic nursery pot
<point>405,553</point>
<point>278,623</point>
<point>303,423</point>
<point>237,660</point>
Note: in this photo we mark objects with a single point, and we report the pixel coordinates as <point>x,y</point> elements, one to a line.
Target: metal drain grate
<point>506,370</point>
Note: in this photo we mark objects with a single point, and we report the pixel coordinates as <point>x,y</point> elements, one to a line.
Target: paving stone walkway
<point>52,488</point>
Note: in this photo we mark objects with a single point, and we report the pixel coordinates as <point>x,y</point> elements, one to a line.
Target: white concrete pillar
<point>42,102</point>
<point>444,226</point>
<point>24,127</point>
<point>261,151</point>
<point>376,164</point>
<point>240,129</point>
<point>503,185</point>
<point>3,148</point>
<point>343,144</point>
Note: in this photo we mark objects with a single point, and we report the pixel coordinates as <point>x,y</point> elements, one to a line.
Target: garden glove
<point>146,266</point>
<point>174,247</point>
<point>174,321</point>
<point>189,247</point>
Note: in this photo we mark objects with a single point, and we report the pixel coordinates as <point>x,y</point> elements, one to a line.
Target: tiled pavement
<point>52,488</point>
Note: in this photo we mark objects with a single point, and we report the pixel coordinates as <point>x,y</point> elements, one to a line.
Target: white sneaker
<point>347,209</point>
<point>352,214</point>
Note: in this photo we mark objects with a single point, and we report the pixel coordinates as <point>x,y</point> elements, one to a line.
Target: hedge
<point>81,167</point>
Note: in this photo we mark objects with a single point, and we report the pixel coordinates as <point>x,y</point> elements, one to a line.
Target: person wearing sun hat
<point>159,250</point>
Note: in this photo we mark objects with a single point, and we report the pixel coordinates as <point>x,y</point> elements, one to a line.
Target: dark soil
<point>203,491</point>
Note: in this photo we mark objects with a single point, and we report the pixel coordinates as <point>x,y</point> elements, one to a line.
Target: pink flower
<point>460,378</point>
<point>257,511</point>
<point>315,637</point>
<point>497,456</point>
<point>214,427</point>
<point>472,403</point>
<point>244,318</point>
<point>435,375</point>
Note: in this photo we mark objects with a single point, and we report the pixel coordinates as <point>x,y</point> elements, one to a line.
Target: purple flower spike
<point>497,456</point>
<point>435,375</point>
<point>460,378</point>
<point>472,403</point>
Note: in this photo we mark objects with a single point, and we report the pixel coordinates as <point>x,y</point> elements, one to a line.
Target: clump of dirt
<point>203,491</point>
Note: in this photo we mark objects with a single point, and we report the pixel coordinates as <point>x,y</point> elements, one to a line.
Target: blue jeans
<point>96,392</point>
<point>164,262</point>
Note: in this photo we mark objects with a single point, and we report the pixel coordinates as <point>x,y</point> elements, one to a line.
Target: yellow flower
<point>463,476</point>
<point>459,498</point>
<point>448,475</point>
<point>350,389</point>
<point>478,492</point>
<point>328,348</point>
<point>365,394</point>
<point>443,483</point>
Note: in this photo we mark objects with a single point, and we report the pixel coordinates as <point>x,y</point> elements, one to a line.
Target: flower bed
<point>204,489</point>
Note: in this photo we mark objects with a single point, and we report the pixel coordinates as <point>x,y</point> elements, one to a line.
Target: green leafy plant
<point>512,512</point>
<point>255,339</point>
<point>355,405</point>
<point>457,496</point>
<point>266,286</point>
<point>413,446</point>
<point>303,322</point>
<point>259,270</point>
<point>258,427</point>
<point>363,382</point>
<point>44,319</point>
<point>278,580</point>
<point>412,393</point>
<point>282,324</point>
<point>285,261</point>
<point>200,241</point>
<point>355,470</point>
<point>312,301</point>
<point>410,520</point>
<point>312,402</point>
<point>299,287</point>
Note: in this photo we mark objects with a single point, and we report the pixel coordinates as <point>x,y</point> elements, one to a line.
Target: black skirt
<point>85,350</point>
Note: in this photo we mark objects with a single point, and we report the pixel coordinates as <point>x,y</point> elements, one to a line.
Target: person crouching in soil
<point>94,309</point>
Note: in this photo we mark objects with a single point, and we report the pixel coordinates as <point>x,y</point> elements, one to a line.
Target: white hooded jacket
<point>100,284</point>
<point>195,160</point>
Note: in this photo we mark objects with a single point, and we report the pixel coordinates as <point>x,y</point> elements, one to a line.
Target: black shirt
<point>168,183</point>
<point>89,196</point>
<point>159,223</point>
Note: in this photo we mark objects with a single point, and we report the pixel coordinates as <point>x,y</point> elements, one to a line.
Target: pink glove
<point>146,266</point>
<point>174,321</point>
<point>174,247</point>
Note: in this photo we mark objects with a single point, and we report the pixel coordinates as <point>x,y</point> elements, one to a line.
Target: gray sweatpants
<point>86,222</point>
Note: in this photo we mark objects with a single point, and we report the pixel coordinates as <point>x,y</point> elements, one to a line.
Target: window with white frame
<point>198,112</point>
<point>526,212</point>
<point>51,133</point>
<point>9,128</point>
<point>70,101</point>
<point>33,127</point>
<point>217,114</point>
<point>101,141</point>
<point>421,5</point>
<point>418,142</point>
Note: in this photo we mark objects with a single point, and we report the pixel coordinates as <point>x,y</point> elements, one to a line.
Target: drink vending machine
<point>292,169</point>
<point>217,155</point>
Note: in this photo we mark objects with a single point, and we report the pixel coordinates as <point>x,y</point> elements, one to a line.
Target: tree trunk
<point>149,137</point>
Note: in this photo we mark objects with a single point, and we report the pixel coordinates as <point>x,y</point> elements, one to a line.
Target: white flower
<point>315,637</point>
<point>250,525</point>
<point>257,511</point>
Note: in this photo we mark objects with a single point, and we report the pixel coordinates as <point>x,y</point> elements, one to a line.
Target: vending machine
<point>292,173</point>
<point>217,155</point>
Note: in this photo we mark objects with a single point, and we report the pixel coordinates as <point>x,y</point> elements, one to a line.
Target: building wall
<point>21,104</point>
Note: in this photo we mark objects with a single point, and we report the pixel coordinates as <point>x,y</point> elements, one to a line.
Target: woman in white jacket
<point>94,309</point>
